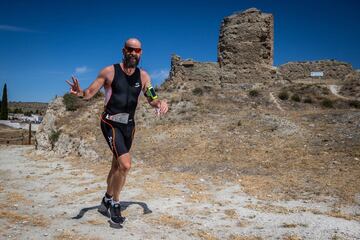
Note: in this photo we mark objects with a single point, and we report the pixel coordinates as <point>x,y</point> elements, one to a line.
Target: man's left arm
<point>151,95</point>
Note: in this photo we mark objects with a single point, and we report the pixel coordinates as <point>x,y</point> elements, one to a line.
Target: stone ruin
<point>324,69</point>
<point>245,58</point>
<point>246,47</point>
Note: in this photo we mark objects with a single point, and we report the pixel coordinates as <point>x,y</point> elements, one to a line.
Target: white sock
<point>113,202</point>
<point>107,199</point>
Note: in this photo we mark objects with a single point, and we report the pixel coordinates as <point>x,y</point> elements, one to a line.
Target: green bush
<point>28,113</point>
<point>354,103</point>
<point>72,103</point>
<point>296,98</point>
<point>99,94</point>
<point>283,95</point>
<point>54,137</point>
<point>327,103</point>
<point>198,91</point>
<point>308,100</point>
<point>254,93</point>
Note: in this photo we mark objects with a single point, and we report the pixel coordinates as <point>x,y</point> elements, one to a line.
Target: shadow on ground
<point>124,206</point>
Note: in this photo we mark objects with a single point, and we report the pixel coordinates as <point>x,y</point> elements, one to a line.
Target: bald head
<point>133,42</point>
<point>132,52</point>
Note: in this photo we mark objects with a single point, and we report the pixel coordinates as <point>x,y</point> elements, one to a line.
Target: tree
<point>4,105</point>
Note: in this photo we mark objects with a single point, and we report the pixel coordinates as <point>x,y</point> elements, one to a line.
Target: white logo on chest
<point>137,84</point>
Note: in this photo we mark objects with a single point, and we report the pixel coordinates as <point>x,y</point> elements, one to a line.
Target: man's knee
<point>125,167</point>
<point>124,163</point>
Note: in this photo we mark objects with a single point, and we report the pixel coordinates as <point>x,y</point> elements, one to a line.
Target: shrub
<point>296,98</point>
<point>283,95</point>
<point>239,123</point>
<point>71,102</point>
<point>327,103</point>
<point>198,91</point>
<point>99,94</point>
<point>28,113</point>
<point>54,137</point>
<point>308,100</point>
<point>354,103</point>
<point>254,93</point>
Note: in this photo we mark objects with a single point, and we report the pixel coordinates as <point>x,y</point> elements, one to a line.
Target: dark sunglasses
<point>130,49</point>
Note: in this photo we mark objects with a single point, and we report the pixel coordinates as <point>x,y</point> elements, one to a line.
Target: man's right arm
<point>100,80</point>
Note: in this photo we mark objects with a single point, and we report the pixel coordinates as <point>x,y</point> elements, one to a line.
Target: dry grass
<point>291,237</point>
<point>68,197</point>
<point>242,237</point>
<point>243,223</point>
<point>270,165</point>
<point>289,225</point>
<point>14,217</point>
<point>339,214</point>
<point>270,208</point>
<point>73,236</point>
<point>95,222</point>
<point>205,235</point>
<point>13,136</point>
<point>200,197</point>
<point>12,197</point>
<point>170,221</point>
<point>231,213</point>
<point>337,237</point>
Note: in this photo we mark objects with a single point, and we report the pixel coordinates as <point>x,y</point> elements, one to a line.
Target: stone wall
<point>245,56</point>
<point>331,69</point>
<point>245,47</point>
<point>189,73</point>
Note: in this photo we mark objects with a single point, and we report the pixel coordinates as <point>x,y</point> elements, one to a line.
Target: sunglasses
<point>130,49</point>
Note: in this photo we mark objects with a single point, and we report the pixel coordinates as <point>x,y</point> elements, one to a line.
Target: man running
<point>123,83</point>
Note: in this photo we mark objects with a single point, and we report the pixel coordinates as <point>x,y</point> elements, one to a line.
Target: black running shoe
<point>104,207</point>
<point>115,214</point>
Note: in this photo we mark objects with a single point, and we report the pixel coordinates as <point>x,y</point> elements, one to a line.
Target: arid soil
<point>9,135</point>
<point>54,198</point>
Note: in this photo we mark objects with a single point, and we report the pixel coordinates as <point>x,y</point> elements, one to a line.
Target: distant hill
<point>35,107</point>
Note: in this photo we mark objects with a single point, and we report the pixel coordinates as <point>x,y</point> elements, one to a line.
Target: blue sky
<point>42,43</point>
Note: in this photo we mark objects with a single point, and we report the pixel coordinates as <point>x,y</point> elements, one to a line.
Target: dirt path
<point>56,199</point>
<point>273,99</point>
<point>334,89</point>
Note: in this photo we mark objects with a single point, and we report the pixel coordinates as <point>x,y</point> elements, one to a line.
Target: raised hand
<point>162,107</point>
<point>74,86</point>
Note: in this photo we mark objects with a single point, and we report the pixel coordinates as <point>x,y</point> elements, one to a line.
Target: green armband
<point>150,92</point>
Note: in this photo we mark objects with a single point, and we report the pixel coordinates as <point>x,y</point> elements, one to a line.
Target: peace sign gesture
<point>74,86</point>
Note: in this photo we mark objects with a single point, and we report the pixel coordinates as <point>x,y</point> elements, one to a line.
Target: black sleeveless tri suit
<point>125,91</point>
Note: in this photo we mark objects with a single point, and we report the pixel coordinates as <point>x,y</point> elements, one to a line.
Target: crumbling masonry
<point>246,56</point>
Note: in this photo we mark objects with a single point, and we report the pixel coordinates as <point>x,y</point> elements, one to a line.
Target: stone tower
<point>246,47</point>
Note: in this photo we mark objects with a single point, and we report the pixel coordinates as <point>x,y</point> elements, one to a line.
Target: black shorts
<point>118,136</point>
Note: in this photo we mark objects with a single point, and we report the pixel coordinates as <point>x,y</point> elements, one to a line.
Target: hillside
<point>306,151</point>
<point>277,133</point>
<point>28,106</point>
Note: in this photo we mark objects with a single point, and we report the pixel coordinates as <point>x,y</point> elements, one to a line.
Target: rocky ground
<point>53,198</point>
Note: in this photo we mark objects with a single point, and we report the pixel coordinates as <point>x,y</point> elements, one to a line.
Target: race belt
<point>120,117</point>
